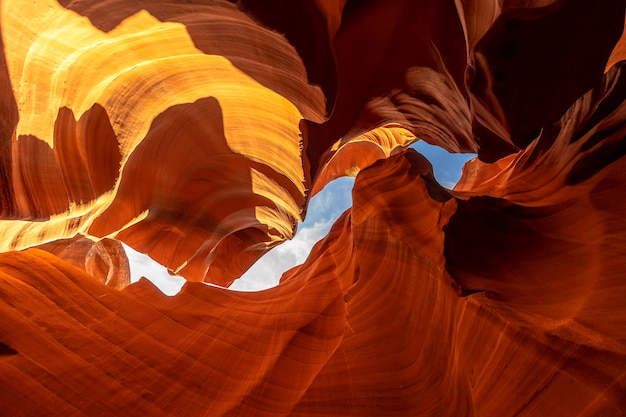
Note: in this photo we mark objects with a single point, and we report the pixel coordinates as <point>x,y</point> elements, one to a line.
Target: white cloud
<point>266,272</point>
<point>323,210</point>
<point>143,266</point>
<point>329,203</point>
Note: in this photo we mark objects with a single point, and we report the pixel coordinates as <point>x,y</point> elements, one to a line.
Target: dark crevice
<point>6,350</point>
<point>465,292</point>
<point>530,53</point>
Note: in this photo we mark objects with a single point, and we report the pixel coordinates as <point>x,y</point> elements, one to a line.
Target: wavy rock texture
<point>197,131</point>
<point>104,260</point>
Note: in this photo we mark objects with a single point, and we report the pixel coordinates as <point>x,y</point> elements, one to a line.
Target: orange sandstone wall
<point>197,131</point>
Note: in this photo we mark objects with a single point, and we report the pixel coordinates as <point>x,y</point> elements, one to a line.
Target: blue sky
<point>447,166</point>
<point>323,210</point>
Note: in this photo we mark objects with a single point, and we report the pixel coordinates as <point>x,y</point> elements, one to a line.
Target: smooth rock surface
<point>197,131</point>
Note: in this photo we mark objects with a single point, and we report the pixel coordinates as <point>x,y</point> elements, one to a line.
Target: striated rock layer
<point>197,131</point>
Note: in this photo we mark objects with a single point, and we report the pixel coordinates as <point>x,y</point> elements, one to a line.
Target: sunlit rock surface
<point>197,131</point>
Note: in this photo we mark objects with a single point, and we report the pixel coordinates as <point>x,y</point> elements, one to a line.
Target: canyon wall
<point>196,132</point>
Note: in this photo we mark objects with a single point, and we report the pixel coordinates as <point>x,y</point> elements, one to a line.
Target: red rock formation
<point>197,131</point>
<point>104,260</point>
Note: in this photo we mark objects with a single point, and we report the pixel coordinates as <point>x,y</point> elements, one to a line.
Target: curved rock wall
<point>197,131</point>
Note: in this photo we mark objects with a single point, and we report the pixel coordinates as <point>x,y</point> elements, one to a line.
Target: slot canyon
<point>197,131</point>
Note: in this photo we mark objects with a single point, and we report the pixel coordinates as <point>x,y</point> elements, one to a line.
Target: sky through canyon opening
<point>324,209</point>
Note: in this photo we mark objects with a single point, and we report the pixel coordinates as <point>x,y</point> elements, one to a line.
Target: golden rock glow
<point>197,131</point>
<point>135,73</point>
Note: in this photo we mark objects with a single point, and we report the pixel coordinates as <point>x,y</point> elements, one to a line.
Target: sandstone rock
<point>197,131</point>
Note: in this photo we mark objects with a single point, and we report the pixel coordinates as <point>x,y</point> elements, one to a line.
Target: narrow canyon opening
<point>323,211</point>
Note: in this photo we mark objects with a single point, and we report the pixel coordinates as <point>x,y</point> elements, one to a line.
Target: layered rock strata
<point>197,131</point>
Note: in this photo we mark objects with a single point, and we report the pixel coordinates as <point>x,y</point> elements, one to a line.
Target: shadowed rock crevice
<point>83,164</point>
<point>196,194</point>
<point>538,47</point>
<point>200,141</point>
<point>8,121</point>
<point>6,350</point>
